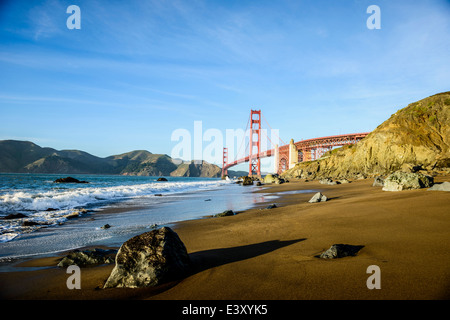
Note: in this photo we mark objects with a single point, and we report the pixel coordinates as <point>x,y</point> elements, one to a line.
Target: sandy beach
<point>270,254</point>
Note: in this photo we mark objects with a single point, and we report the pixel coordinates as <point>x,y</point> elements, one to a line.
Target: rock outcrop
<point>400,180</point>
<point>68,180</point>
<point>416,136</point>
<point>149,259</point>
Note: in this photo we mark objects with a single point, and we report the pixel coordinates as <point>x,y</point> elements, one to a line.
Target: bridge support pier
<point>276,161</point>
<point>293,154</point>
<point>224,162</point>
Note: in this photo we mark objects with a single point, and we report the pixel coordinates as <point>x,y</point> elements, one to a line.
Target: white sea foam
<point>8,236</point>
<point>64,199</point>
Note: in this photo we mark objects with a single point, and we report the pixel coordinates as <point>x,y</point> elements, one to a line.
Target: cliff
<point>415,136</point>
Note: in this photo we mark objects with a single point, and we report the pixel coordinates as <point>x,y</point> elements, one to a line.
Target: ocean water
<point>130,205</point>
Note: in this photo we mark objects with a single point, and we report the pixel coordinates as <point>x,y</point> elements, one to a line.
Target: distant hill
<point>193,169</point>
<point>415,136</point>
<point>28,157</point>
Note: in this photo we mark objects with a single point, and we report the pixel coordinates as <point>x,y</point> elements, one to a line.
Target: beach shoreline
<point>270,254</point>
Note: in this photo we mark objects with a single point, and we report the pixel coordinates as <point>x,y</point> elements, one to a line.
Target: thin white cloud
<point>43,19</point>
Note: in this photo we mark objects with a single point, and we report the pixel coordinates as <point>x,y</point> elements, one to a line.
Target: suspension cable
<point>272,130</point>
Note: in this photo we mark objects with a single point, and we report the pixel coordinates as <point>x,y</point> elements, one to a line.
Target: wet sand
<point>270,254</point>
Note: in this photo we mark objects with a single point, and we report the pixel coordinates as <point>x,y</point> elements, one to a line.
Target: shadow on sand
<point>207,259</point>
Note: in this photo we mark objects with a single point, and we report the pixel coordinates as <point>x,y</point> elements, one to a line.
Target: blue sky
<point>138,70</point>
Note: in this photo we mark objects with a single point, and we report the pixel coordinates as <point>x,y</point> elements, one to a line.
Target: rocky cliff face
<point>415,136</point>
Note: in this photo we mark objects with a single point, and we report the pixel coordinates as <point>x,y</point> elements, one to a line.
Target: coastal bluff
<point>415,138</point>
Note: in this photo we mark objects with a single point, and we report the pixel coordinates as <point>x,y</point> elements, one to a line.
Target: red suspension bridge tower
<point>255,143</point>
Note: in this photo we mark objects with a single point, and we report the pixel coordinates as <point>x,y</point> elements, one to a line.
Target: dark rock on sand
<point>29,223</point>
<point>340,251</point>
<point>149,259</point>
<point>88,257</point>
<point>247,181</point>
<point>69,180</point>
<point>225,213</point>
<point>14,216</point>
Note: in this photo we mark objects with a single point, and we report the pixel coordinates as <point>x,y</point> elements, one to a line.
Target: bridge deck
<point>307,145</point>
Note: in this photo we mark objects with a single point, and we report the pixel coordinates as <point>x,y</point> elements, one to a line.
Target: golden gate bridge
<point>286,155</point>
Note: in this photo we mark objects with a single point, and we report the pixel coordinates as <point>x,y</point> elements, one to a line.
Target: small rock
<point>272,206</point>
<point>411,168</point>
<point>14,216</point>
<point>318,197</point>
<point>269,178</point>
<point>72,215</point>
<point>88,257</point>
<point>225,213</point>
<point>162,179</point>
<point>378,182</point>
<point>69,180</point>
<point>273,178</point>
<point>445,186</point>
<point>328,181</point>
<point>340,251</point>
<point>106,226</point>
<point>29,223</point>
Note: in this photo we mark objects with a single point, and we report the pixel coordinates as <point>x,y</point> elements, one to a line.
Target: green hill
<point>28,157</point>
